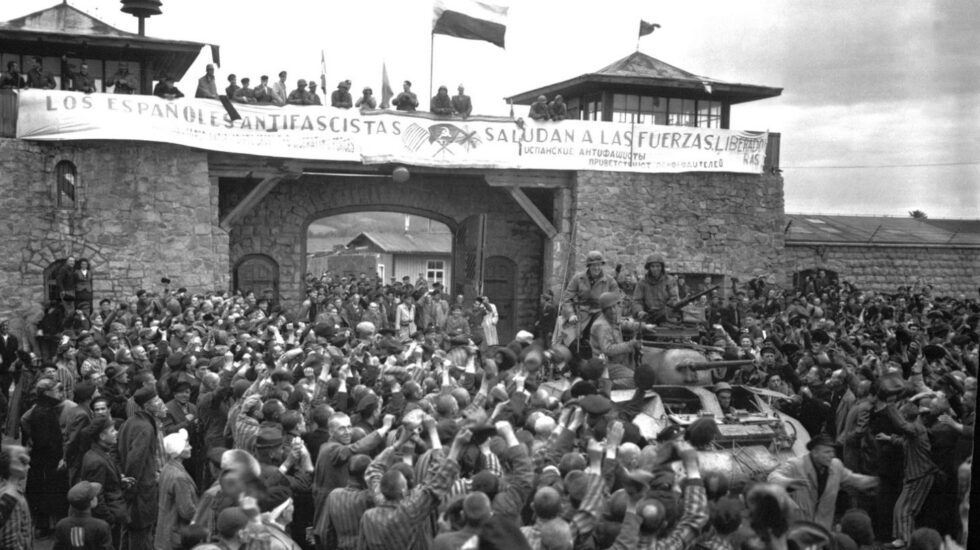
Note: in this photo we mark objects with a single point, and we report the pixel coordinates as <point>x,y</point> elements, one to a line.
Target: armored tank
<point>677,377</point>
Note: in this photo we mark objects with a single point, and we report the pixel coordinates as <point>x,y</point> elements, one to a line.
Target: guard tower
<point>643,90</point>
<point>66,37</point>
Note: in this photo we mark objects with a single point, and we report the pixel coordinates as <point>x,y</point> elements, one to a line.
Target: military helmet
<point>594,257</point>
<point>608,299</point>
<point>654,259</point>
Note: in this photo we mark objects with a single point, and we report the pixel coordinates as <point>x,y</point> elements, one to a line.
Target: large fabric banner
<point>376,137</point>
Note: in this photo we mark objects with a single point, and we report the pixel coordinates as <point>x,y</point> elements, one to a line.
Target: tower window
<point>66,177</point>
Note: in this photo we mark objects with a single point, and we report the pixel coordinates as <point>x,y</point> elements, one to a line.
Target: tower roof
<point>640,73</point>
<point>63,29</point>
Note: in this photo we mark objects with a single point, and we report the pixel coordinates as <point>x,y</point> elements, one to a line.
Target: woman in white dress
<point>490,323</point>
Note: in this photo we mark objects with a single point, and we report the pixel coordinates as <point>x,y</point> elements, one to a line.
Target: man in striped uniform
<point>247,423</point>
<point>341,519</point>
<point>16,526</point>
<point>649,514</point>
<point>332,470</point>
<point>919,469</point>
<point>394,524</point>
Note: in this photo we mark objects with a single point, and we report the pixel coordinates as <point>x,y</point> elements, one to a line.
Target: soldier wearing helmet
<point>606,340</point>
<point>581,297</point>
<point>656,292</point>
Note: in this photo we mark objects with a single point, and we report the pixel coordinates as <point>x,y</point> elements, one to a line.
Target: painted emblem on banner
<point>444,135</point>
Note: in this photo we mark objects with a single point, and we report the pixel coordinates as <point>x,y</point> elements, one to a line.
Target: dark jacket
<point>8,351</point>
<point>138,458</point>
<point>99,467</point>
<point>81,526</point>
<point>654,295</point>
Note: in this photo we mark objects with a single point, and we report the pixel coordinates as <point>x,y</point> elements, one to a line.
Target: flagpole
<point>432,55</point>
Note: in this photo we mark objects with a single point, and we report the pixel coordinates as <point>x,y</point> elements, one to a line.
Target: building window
<point>661,110</point>
<point>680,112</point>
<point>574,109</point>
<point>592,108</point>
<point>709,114</point>
<point>381,272</point>
<point>435,270</point>
<point>66,178</point>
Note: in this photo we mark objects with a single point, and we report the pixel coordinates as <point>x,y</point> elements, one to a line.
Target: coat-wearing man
<point>98,466</point>
<point>581,296</point>
<point>74,420</point>
<point>181,413</point>
<point>815,479</point>
<point>656,292</point>
<point>206,86</point>
<point>462,105</point>
<point>139,448</point>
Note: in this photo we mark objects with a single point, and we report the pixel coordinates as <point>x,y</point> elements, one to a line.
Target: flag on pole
<point>470,19</point>
<point>386,92</point>
<point>647,28</point>
<point>323,72</point>
<point>216,54</point>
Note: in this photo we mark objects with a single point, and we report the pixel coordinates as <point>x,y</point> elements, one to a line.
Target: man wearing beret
<point>815,479</point>
<point>139,457</point>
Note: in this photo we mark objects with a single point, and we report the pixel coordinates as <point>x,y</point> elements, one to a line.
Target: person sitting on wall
<point>166,89</point>
<point>557,109</point>
<point>245,94</point>
<point>462,105</point>
<point>441,102</point>
<point>263,92</point>
<point>37,78</point>
<point>299,96</point>
<point>407,100</point>
<point>341,98</point>
<point>366,101</point>
<point>122,81</point>
<point>206,86</point>
<point>539,109</point>
<point>232,86</point>
<point>12,79</point>
<point>312,95</point>
<point>82,81</point>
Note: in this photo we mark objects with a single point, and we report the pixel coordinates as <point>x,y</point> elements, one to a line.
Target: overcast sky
<point>880,112</point>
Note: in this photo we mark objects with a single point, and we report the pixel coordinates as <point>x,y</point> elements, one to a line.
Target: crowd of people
<point>239,91</point>
<point>379,415</point>
<point>263,93</point>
